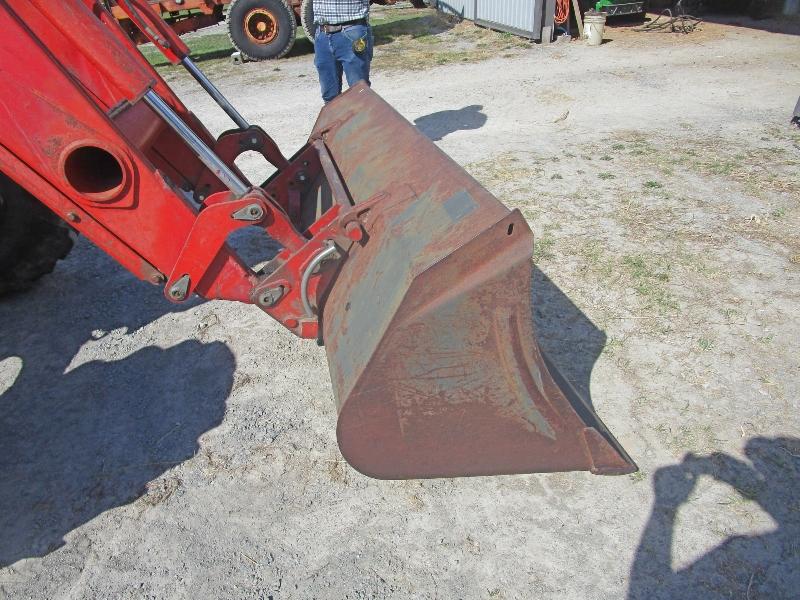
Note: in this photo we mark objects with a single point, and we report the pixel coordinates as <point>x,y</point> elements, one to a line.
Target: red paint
<point>354,231</point>
<point>426,318</point>
<point>86,68</point>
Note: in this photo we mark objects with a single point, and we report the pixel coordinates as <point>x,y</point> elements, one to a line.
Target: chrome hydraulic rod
<point>212,90</point>
<point>206,155</point>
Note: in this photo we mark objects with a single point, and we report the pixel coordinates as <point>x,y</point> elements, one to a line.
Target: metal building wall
<point>462,8</point>
<point>522,17</point>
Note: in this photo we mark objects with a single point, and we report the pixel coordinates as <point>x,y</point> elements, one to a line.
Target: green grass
<point>432,40</point>
<point>596,260</point>
<point>543,248</point>
<point>705,343</point>
<point>778,213</point>
<point>418,39</point>
<point>638,476</point>
<point>642,267</point>
<point>730,314</point>
<point>612,347</point>
<point>686,438</point>
<point>761,170</point>
<point>648,275</point>
<point>201,47</point>
<point>390,25</point>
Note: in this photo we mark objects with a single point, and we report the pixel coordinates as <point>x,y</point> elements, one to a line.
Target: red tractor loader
<point>259,29</point>
<point>416,280</point>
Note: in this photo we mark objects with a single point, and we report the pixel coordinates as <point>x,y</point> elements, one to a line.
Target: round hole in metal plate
<point>93,171</point>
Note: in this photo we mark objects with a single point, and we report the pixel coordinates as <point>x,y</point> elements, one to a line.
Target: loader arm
<point>417,281</point>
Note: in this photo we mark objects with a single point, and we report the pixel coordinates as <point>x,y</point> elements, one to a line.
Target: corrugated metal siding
<point>516,14</point>
<point>463,8</point>
<point>523,17</point>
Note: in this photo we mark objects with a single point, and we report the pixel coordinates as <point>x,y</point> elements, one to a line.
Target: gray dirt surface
<point>154,451</point>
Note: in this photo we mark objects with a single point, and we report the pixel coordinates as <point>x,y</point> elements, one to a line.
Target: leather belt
<point>339,26</point>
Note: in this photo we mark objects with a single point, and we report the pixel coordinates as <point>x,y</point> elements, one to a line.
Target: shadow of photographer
<point>743,566</point>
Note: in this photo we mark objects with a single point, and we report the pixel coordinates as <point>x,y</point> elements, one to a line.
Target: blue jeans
<point>335,53</point>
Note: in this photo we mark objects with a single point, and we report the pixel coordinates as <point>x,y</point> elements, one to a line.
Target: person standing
<point>342,43</point>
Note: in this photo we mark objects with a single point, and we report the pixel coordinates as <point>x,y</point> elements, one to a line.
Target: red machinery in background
<point>259,29</point>
<point>417,280</point>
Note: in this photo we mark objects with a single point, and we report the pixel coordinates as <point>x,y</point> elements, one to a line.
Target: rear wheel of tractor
<point>262,29</point>
<point>307,19</point>
<point>32,238</point>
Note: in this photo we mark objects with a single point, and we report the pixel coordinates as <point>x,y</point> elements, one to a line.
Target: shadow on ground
<point>570,340</point>
<point>440,124</point>
<point>754,567</point>
<point>765,15</point>
<point>769,23</point>
<point>75,442</point>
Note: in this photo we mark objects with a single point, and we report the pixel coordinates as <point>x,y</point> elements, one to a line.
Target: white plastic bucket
<point>594,23</point>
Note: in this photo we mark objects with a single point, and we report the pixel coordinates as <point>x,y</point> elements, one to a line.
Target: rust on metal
<point>416,278</point>
<point>428,327</point>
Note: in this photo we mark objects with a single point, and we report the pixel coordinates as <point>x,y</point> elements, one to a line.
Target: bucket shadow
<point>437,125</point>
<point>565,334</point>
<point>756,566</point>
<point>77,439</point>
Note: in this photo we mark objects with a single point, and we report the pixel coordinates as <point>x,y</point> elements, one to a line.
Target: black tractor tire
<point>32,238</point>
<point>262,29</point>
<point>307,19</point>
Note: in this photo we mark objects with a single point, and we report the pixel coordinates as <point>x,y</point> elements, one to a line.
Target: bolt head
<point>269,298</point>
<point>73,217</point>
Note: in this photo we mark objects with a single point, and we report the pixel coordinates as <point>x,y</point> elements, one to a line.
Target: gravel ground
<point>150,451</point>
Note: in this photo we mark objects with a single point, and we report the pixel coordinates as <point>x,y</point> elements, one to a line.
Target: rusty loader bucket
<point>433,359</point>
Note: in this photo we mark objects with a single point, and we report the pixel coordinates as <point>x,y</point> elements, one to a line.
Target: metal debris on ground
<point>672,20</point>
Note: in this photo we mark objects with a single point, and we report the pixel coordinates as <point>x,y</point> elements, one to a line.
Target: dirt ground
<point>149,451</point>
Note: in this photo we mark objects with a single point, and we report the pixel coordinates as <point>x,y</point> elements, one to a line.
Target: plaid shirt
<point>332,12</point>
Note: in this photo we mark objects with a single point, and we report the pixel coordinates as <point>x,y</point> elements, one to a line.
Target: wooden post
<point>548,22</point>
<point>578,17</point>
